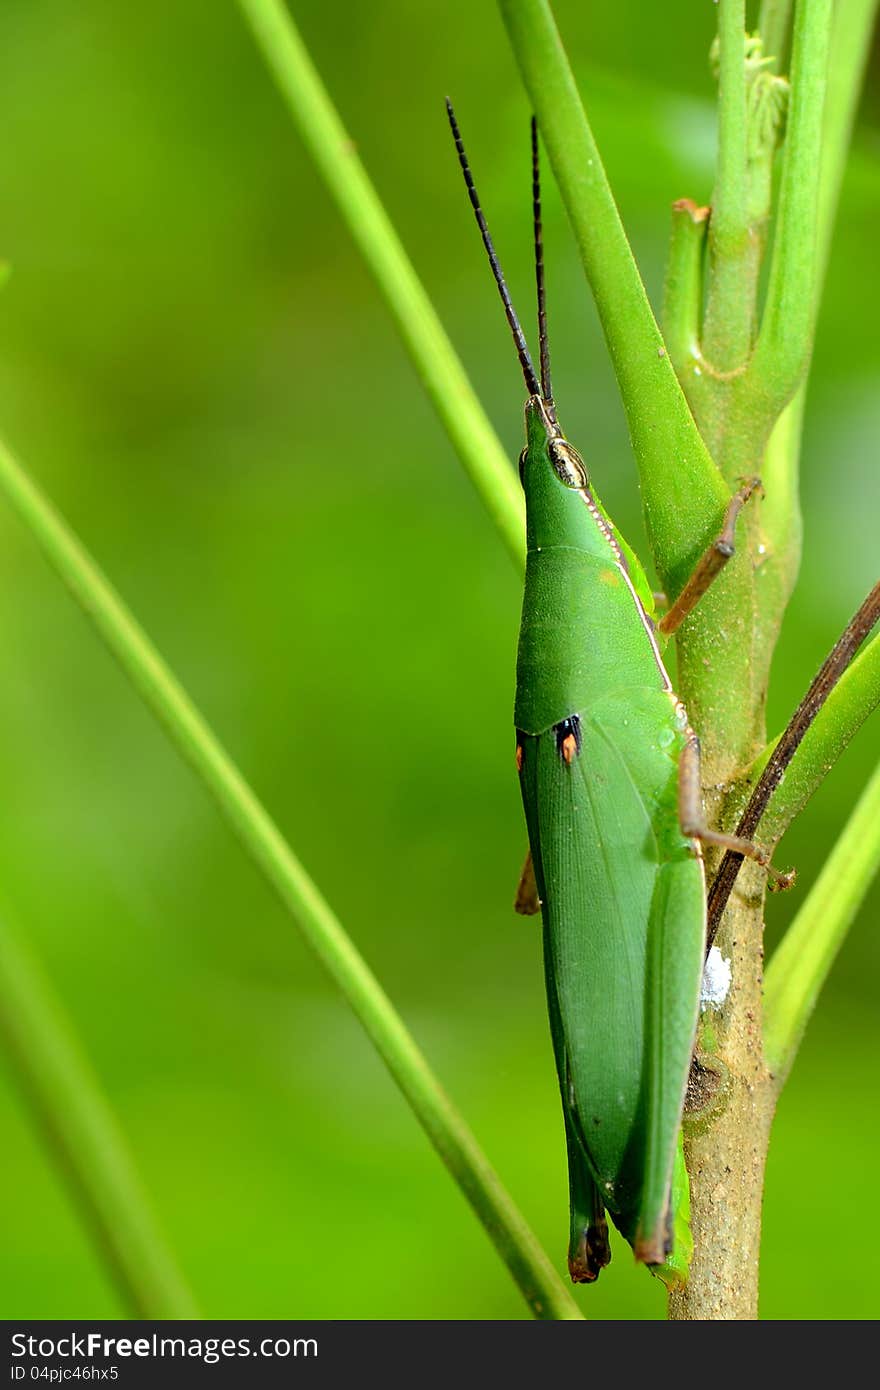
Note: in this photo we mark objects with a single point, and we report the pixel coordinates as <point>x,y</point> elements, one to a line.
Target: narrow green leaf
<point>442,374</point>
<point>785,339</point>
<point>773,26</point>
<point>729,224</point>
<point>803,959</point>
<point>264,843</point>
<point>733,253</point>
<point>82,1132</point>
<point>853,699</point>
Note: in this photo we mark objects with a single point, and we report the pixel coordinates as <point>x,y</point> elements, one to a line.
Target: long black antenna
<point>546,387</point>
<point>532,384</point>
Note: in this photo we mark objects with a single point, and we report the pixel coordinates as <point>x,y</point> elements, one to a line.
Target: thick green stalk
<point>442,374</point>
<point>62,1090</point>
<point>681,490</point>
<point>734,249</point>
<point>737,413</point>
<point>262,840</point>
<point>801,963</point>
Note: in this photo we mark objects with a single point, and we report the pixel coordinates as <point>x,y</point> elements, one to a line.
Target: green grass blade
<point>62,1090</point>
<point>853,699</point>
<point>803,959</point>
<point>262,840</point>
<point>435,359</point>
<point>682,491</point>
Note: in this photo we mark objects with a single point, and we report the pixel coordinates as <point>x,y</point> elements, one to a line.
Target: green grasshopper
<point>610,776</point>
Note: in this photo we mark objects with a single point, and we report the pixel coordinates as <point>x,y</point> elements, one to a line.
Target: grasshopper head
<point>546,446</point>
<point>556,484</point>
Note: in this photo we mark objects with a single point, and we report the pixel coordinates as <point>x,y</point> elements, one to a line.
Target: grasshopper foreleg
<point>710,563</point>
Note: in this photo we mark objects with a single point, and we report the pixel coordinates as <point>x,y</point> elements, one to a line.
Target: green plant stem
<point>62,1090</point>
<point>850,45</point>
<point>729,200</point>
<point>683,286</point>
<point>262,840</point>
<point>773,26</point>
<point>785,339</point>
<point>799,760</point>
<point>442,374</point>
<point>742,410</point>
<point>801,963</point>
<point>744,407</point>
<point>682,493</point>
<point>734,252</point>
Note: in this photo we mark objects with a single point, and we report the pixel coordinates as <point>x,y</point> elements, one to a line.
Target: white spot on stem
<point>717,976</point>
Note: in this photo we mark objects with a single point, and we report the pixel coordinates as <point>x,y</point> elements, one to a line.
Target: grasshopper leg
<point>693,821</point>
<point>710,563</point>
<point>830,672</point>
<point>527,903</point>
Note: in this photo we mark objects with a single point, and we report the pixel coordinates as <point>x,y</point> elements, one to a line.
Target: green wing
<point>588,1248</point>
<point>623,905</point>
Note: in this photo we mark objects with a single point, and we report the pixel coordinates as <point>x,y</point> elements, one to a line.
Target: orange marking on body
<point>519,757</point>
<point>569,748</point>
<point>610,577</point>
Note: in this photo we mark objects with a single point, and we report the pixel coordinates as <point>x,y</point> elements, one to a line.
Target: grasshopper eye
<point>522,464</point>
<point>570,467</point>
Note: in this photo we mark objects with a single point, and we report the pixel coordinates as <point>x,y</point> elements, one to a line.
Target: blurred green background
<point>196,365</point>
